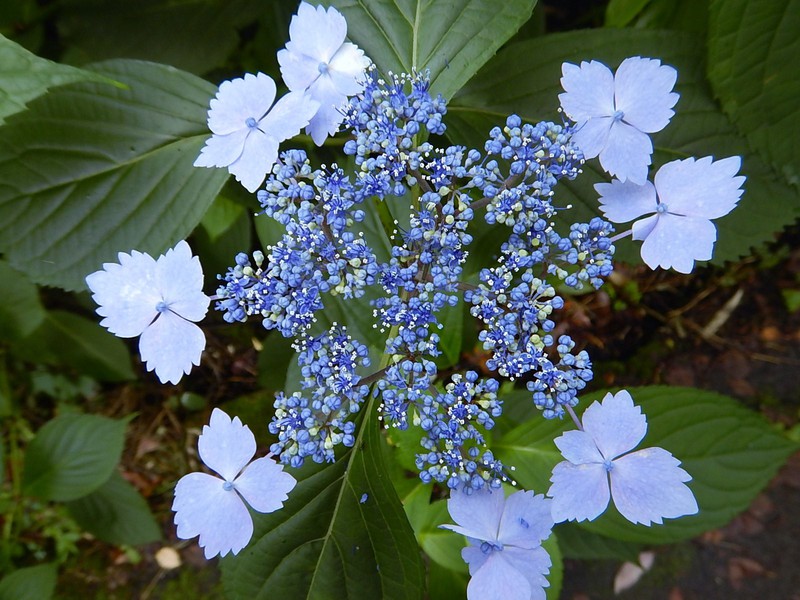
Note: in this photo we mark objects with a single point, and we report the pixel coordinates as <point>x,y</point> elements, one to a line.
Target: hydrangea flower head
<point>647,485</point>
<point>317,59</point>
<point>505,556</point>
<point>159,300</point>
<point>687,194</point>
<point>615,112</point>
<point>214,508</point>
<point>247,128</point>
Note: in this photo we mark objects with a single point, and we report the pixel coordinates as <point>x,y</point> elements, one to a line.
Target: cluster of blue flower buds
<point>430,196</point>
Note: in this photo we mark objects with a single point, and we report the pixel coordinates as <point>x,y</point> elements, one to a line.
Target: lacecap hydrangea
<point>392,238</point>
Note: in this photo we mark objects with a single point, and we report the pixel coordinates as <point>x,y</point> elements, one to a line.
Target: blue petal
<point>126,293</point>
<point>265,485</point>
<point>616,425</point>
<point>623,201</point>
<point>534,564</point>
<point>238,100</point>
<point>497,579</point>
<point>179,278</point>
<point>203,507</point>
<point>289,115</point>
<point>627,154</point>
<point>700,188</point>
<point>170,346</point>
<point>643,92</point>
<point>226,445</point>
<point>648,486</point>
<point>579,492</point>
<point>259,154</point>
<point>316,32</point>
<point>527,520</point>
<point>328,117</point>
<point>592,136</point>
<point>588,91</point>
<point>474,557</point>
<point>578,447</point>
<point>677,242</point>
<point>222,150</point>
<point>478,513</point>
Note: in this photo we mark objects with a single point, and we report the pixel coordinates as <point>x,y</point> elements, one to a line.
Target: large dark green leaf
<point>684,15</point>
<point>753,50</point>
<point>72,456</point>
<point>21,311</point>
<point>576,542</point>
<point>453,39</point>
<point>25,76</point>
<point>90,170</point>
<point>341,535</point>
<point>530,88</point>
<point>730,452</point>
<point>116,513</point>
<point>30,583</point>
<point>92,350</point>
<point>195,35</point>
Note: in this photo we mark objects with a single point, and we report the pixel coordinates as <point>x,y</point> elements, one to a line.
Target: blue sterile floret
<point>324,252</point>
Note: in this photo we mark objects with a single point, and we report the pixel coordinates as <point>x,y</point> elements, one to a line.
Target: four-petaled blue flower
<point>687,194</point>
<point>615,112</point>
<point>647,485</point>
<point>317,59</point>
<point>214,508</point>
<point>159,300</point>
<point>505,556</point>
<point>247,128</point>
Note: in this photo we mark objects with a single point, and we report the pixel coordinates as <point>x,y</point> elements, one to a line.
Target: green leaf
<point>730,452</point>
<point>221,216</point>
<point>21,312</point>
<point>445,584</point>
<point>92,350</point>
<point>90,170</point>
<point>620,13</point>
<point>328,543</point>
<point>25,76</point>
<point>577,542</point>
<point>792,300</point>
<point>530,450</point>
<point>194,35</point>
<point>452,39</point>
<point>6,404</point>
<point>30,583</point>
<point>451,334</point>
<point>556,575</point>
<point>753,49</point>
<point>72,456</point>
<point>530,88</point>
<point>683,15</point>
<point>116,513</point>
<point>441,545</point>
<point>225,230</point>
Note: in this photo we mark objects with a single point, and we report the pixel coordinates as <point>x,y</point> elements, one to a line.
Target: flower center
<point>609,466</point>
<point>618,115</point>
<point>227,486</point>
<point>661,208</point>
<point>322,67</point>
<point>489,547</point>
<point>162,307</point>
<point>251,122</point>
